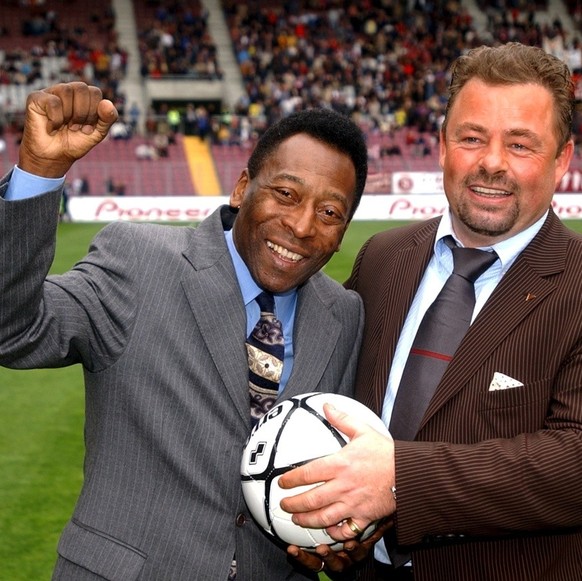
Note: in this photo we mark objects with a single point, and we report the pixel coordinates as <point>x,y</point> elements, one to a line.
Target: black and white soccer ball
<point>289,435</point>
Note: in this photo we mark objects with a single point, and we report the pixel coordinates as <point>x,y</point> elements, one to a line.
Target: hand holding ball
<point>290,435</point>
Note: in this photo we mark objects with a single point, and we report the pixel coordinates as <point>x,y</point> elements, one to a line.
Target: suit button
<point>240,520</point>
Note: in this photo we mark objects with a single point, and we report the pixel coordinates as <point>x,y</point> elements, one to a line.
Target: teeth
<point>284,252</point>
<point>490,191</point>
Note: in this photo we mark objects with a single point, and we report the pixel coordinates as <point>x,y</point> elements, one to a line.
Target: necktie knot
<point>266,302</point>
<point>470,263</point>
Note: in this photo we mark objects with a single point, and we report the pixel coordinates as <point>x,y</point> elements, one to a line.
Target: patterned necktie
<point>266,350</point>
<point>440,332</point>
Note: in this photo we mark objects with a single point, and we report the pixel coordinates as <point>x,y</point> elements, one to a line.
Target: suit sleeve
<point>525,482</point>
<point>346,385</point>
<point>83,316</point>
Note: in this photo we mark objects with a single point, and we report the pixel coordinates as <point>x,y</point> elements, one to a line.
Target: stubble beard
<point>482,219</point>
<point>486,222</point>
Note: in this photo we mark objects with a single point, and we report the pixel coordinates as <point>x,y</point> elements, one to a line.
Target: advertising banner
<point>196,208</point>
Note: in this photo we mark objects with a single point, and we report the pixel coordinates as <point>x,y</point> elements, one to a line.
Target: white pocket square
<point>502,381</point>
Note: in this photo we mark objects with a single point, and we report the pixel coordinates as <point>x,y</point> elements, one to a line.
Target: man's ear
<point>238,193</point>
<point>563,161</point>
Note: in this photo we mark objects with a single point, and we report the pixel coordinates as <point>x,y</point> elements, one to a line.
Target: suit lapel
<point>522,290</point>
<point>315,336</point>
<point>212,290</point>
<point>398,291</point>
<point>213,293</point>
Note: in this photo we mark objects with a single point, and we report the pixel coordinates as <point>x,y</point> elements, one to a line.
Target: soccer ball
<point>290,435</point>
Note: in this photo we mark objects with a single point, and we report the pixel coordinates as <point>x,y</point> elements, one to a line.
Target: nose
<point>494,158</point>
<point>301,221</point>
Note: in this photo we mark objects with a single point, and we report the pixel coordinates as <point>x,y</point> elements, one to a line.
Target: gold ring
<point>322,567</point>
<point>354,527</point>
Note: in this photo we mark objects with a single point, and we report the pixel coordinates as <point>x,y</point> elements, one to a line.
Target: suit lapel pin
<point>530,297</point>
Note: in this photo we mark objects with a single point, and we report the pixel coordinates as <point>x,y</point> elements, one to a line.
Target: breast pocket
<point>508,412</point>
<point>99,553</point>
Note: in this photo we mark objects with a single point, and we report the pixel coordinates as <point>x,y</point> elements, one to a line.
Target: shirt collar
<point>248,287</point>
<point>507,250</point>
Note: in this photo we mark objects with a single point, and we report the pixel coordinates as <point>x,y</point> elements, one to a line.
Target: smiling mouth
<point>284,252</point>
<point>490,192</point>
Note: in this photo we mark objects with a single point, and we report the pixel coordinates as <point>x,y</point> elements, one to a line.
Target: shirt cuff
<point>26,185</point>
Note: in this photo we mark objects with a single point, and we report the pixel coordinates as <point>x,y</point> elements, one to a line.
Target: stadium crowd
<point>383,62</point>
<point>80,42</point>
<point>174,40</point>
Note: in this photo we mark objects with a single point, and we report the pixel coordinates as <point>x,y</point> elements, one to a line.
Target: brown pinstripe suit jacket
<point>492,487</point>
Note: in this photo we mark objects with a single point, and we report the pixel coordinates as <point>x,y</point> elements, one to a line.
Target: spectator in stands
<point>120,188</point>
<point>145,151</point>
<point>177,42</point>
<point>292,54</point>
<point>89,43</point>
<point>190,120</point>
<point>161,144</point>
<point>390,150</point>
<point>203,125</point>
<point>134,114</point>
<point>119,130</point>
<point>109,186</point>
<point>158,316</point>
<point>151,123</point>
<point>80,186</point>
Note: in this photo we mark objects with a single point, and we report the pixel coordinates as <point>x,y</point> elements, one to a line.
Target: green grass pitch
<point>41,427</point>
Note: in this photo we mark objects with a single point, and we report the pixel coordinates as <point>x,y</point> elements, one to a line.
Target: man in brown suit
<point>490,488</point>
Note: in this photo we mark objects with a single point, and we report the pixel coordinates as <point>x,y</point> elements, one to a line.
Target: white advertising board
<point>430,182</point>
<point>143,208</point>
<point>196,208</point>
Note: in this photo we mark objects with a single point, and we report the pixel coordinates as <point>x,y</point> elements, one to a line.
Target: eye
<point>331,215</point>
<point>281,194</point>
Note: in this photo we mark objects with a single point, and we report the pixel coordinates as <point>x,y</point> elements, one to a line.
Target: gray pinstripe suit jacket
<point>155,316</point>
<point>492,488</point>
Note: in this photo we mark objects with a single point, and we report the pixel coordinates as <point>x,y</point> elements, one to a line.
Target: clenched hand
<point>62,124</point>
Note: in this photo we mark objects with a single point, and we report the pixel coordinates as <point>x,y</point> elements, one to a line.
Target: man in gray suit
<point>158,317</point>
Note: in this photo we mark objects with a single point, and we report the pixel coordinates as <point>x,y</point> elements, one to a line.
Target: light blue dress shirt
<point>26,185</point>
<point>438,270</point>
<point>285,305</point>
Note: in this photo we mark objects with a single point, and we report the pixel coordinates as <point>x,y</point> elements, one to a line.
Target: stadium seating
<point>117,161</point>
<point>49,25</point>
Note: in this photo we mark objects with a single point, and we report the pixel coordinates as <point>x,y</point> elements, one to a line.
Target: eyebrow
<point>340,198</point>
<point>291,178</point>
<point>525,133</point>
<point>517,132</point>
